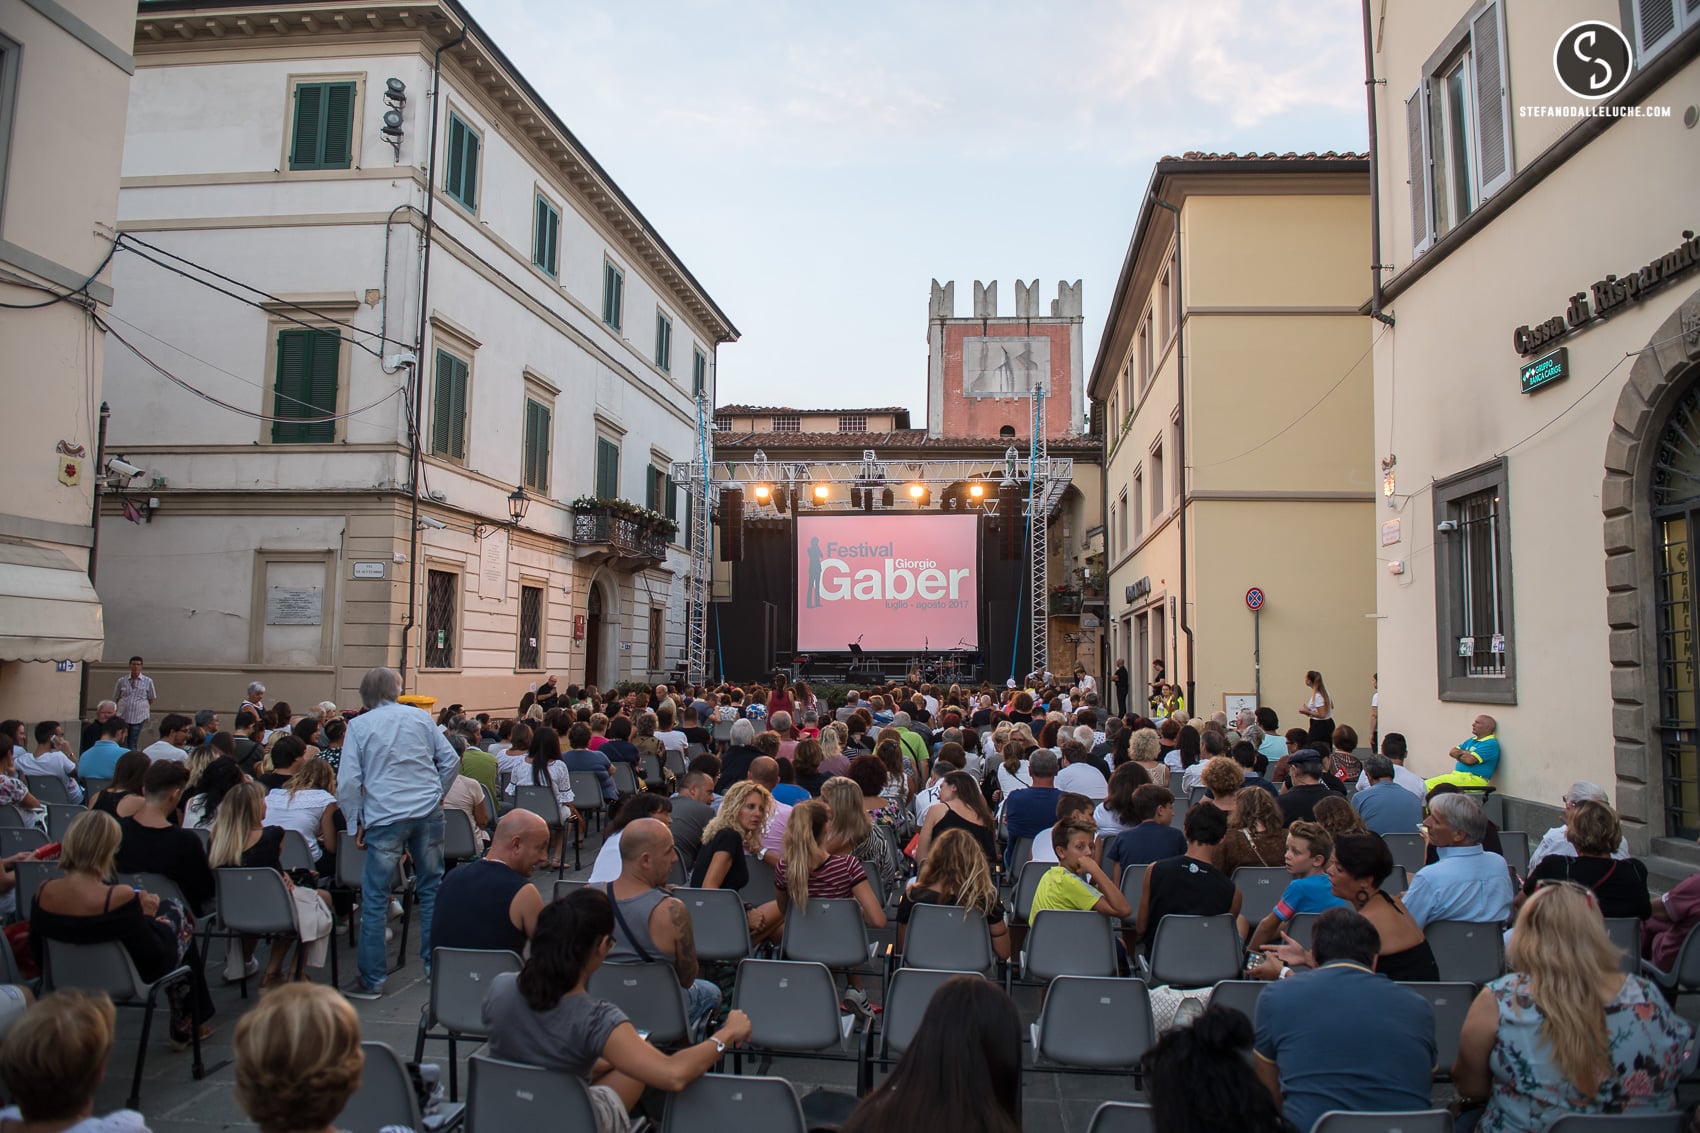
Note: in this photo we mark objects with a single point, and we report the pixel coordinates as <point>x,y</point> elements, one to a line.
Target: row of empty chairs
<point>1134,1117</point>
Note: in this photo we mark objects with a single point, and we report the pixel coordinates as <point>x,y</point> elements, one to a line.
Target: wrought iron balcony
<point>1065,603</point>
<point>626,543</point>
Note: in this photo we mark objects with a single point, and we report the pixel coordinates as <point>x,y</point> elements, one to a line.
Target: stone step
<point>1663,873</point>
<point>1678,849</point>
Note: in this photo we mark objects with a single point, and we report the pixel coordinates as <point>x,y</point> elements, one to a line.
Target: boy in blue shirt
<point>1309,847</point>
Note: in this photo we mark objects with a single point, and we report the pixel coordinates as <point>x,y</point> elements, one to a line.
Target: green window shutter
<point>309,126</point>
<point>306,386</point>
<point>663,342</point>
<point>672,500</point>
<point>536,446</point>
<point>469,170</point>
<point>545,251</point>
<point>699,372</point>
<point>461,178</point>
<point>337,150</point>
<point>323,134</point>
<point>448,419</point>
<point>613,288</point>
<point>607,469</point>
<point>649,489</point>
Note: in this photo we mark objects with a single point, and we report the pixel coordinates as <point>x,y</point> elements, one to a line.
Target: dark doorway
<point>592,635</point>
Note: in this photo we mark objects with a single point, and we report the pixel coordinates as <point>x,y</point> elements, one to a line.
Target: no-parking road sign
<point>1254,599</point>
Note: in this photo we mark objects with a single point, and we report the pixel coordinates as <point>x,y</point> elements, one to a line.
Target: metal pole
<point>1257,654</point>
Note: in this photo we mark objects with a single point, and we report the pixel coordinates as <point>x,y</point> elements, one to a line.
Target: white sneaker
<point>857,1001</point>
<point>395,909</point>
<point>248,970</point>
<point>389,934</point>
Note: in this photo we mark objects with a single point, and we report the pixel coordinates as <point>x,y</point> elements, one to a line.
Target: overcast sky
<point>817,165</point>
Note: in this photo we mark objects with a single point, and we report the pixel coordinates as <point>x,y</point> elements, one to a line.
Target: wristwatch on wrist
<point>719,1047</point>
<point>1285,972</point>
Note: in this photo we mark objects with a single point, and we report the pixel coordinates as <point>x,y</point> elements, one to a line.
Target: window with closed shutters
<point>663,342</point>
<point>322,135</point>
<point>613,295</point>
<point>460,177</point>
<point>304,392</point>
<point>699,373</point>
<point>607,469</point>
<point>530,654</point>
<point>546,237</point>
<point>442,590</point>
<point>657,630</point>
<point>448,407</point>
<point>538,426</point>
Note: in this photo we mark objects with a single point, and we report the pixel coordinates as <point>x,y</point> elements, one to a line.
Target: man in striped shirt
<point>135,695</point>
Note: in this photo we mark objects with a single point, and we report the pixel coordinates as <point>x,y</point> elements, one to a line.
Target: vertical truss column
<point>699,579</point>
<point>1038,519</point>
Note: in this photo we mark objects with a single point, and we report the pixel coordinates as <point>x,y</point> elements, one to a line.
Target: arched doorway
<point>593,635</point>
<point>1650,499</point>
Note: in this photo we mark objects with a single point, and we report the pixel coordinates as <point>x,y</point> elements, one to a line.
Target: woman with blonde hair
<point>732,835</point>
<point>1567,1032</point>
<point>53,1060</point>
<point>1225,779</point>
<point>850,830</point>
<point>241,838</point>
<point>298,1059</point>
<point>1257,833</point>
<point>813,869</point>
<point>306,804</point>
<point>955,873</point>
<point>1146,748</point>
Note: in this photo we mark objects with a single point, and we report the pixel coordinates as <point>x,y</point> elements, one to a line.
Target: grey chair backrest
<point>677,873</point>
<point>649,995</point>
<point>829,932</point>
<point>942,936</point>
<point>792,1005</point>
<point>717,1102</point>
<point>1123,1117</point>
<point>652,770</point>
<point>563,886</point>
<point>625,779</point>
<point>1672,1122</point>
<point>762,886</point>
<point>1260,887</point>
<point>542,802</point>
<point>505,1096</point>
<point>722,731</point>
<point>491,807</point>
<point>10,818</point>
<point>1095,1021</point>
<point>30,876</point>
<point>1408,1121</point>
<point>1240,995</point>
<point>1397,881</point>
<point>204,833</point>
<point>1133,888</point>
<point>675,760</point>
<point>1408,850</point>
<point>385,1096</point>
<point>1451,1003</point>
<point>1625,932</point>
<point>1467,952</point>
<point>1021,855</point>
<point>20,839</point>
<point>93,967</point>
<point>295,853</point>
<point>1195,951</point>
<point>1196,796</point>
<point>158,884</point>
<point>718,923</point>
<point>47,788</point>
<point>94,786</point>
<point>460,978</point>
<point>587,790</point>
<point>460,842</point>
<point>1301,927</point>
<point>59,819</point>
<point>906,1001</point>
<point>1069,942</point>
<point>1026,885</point>
<point>254,901</point>
<point>1514,848</point>
<point>351,865</point>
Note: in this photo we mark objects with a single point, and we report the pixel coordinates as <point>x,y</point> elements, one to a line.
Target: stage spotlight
<point>821,494</point>
<point>916,491</point>
<point>763,493</point>
<point>976,491</point>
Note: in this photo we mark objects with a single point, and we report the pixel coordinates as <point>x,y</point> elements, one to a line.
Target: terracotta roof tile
<point>1196,155</point>
<point>745,410</point>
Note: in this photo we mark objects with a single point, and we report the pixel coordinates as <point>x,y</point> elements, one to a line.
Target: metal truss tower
<point>1039,503</point>
<point>699,577</point>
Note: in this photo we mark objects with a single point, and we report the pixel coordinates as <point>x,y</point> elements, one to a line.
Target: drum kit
<point>950,666</point>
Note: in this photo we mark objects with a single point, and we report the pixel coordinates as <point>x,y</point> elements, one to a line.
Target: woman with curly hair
<point>873,775</point>
<point>1257,833</point>
<point>732,835</point>
<point>955,872</point>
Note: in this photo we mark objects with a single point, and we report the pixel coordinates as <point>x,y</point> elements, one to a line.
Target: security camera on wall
<point>433,524</point>
<point>118,466</point>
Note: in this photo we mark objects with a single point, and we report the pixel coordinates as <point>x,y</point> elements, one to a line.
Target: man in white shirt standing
<point>1393,747</point>
<point>173,734</point>
<point>53,757</point>
<point>135,695</point>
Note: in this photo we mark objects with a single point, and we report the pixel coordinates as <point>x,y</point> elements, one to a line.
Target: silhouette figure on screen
<point>812,599</point>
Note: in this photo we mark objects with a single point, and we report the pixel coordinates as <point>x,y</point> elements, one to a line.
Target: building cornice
<point>166,27</point>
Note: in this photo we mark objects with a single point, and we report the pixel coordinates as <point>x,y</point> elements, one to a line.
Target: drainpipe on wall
<point>94,538</point>
<point>1375,268</point>
<point>415,453</point>
<point>1180,449</point>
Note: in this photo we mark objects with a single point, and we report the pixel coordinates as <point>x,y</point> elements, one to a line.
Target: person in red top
<point>779,700</point>
<point>1674,917</point>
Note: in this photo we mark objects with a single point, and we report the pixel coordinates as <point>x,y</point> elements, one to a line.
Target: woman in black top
<point>1361,863</point>
<point>805,767</point>
<point>722,863</point>
<point>241,838</point>
<point>961,806</point>
<point>126,783</point>
<point>81,908</point>
<point>151,843</point>
<point>1619,886</point>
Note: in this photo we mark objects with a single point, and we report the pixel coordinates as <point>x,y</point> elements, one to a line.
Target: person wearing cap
<point>1298,802</point>
<point>1555,841</point>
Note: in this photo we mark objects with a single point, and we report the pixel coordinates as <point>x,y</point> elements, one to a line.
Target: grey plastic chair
<point>59,819</point>
<point>948,937</point>
<point>652,770</point>
<point>649,994</point>
<point>723,732</point>
<point>1020,855</point>
<point>20,839</point>
<point>563,886</point>
<point>1068,942</point>
<point>30,876</point>
<point>1026,885</point>
<point>386,1097</point>
<point>47,788</point>
<point>1123,1117</point>
<point>1302,927</point>
<point>350,873</point>
<point>1408,850</point>
<point>587,794</point>
<point>907,995</point>
<point>1451,1003</point>
<point>762,886</point>
<point>826,932</point>
<point>460,842</point>
<point>1195,951</point>
<point>107,967</point>
<point>717,1102</point>
<point>793,1010</point>
<point>505,1096</point>
<point>1239,995</point>
<point>1397,881</point>
<point>255,902</point>
<point>1405,1121</point>
<point>718,923</point>
<point>625,779</point>
<point>1625,932</point>
<point>1260,887</point>
<point>1133,888</point>
<point>1684,974</point>
<point>543,802</point>
<point>1467,952</point>
<point>296,854</point>
<point>1094,1024</point>
<point>675,760</point>
<point>10,818</point>
<point>1514,848</point>
<point>492,807</point>
<point>94,786</point>
<point>460,977</point>
<point>158,884</point>
<point>1620,1123</point>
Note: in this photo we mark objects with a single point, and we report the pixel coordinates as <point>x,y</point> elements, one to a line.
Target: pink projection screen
<point>891,582</point>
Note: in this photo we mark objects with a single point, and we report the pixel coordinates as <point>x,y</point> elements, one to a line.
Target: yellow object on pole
<point>427,703</point>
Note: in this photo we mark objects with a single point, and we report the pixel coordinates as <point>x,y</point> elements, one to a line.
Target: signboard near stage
<point>892,582</point>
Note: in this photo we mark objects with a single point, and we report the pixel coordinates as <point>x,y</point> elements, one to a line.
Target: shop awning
<point>48,609</point>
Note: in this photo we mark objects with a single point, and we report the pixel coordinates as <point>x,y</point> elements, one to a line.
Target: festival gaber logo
<point>887,582</point>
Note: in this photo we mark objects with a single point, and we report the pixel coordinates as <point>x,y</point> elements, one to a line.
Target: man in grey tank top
<point>650,925</point>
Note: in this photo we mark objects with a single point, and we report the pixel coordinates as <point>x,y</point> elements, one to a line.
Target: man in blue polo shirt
<point>1475,759</point>
<point>1309,846</point>
<point>1306,1023</point>
<point>102,756</point>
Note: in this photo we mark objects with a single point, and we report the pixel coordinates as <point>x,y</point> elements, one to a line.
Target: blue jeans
<point>135,736</point>
<point>701,998</point>
<point>421,837</point>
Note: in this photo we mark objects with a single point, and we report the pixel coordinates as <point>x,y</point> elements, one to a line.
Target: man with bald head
<point>765,772</point>
<point>650,925</point>
<point>490,903</point>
